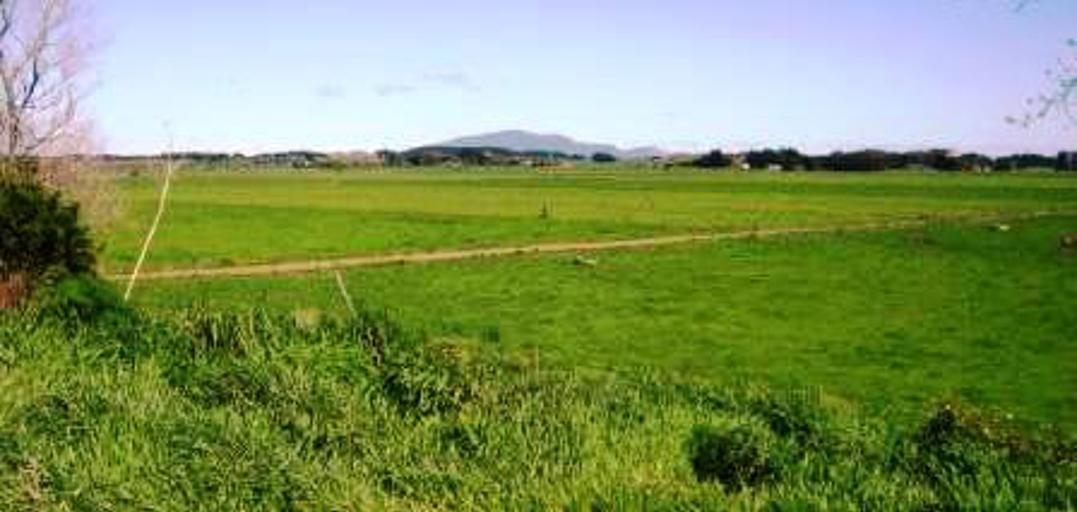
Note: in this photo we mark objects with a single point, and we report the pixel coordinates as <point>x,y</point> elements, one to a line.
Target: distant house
<point>357,158</point>
<point>739,162</point>
<point>295,159</point>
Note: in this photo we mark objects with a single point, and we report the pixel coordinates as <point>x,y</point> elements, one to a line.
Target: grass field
<point>890,320</point>
<point>927,368</point>
<point>218,219</point>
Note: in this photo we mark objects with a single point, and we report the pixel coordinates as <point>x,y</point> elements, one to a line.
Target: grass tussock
<point>228,411</point>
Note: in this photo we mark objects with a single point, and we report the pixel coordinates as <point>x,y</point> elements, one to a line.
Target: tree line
<point>785,159</point>
<point>789,159</point>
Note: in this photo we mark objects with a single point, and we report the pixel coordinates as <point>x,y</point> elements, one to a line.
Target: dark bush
<point>737,456</point>
<point>714,160</point>
<point>959,448</point>
<point>955,426</point>
<point>81,297</point>
<point>603,158</point>
<point>787,159</point>
<point>866,161</point>
<point>40,235</point>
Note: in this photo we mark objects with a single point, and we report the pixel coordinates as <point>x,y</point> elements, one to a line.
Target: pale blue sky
<point>246,75</point>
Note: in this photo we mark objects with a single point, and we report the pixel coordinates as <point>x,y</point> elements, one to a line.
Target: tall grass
<point>229,411</point>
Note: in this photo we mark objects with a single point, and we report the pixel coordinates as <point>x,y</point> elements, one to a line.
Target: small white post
<point>344,293</point>
<point>156,222</point>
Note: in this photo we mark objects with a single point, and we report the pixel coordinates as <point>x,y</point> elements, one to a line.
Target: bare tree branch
<point>1061,97</point>
<point>39,71</point>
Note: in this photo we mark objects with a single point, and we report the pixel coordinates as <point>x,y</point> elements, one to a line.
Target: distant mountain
<point>523,141</point>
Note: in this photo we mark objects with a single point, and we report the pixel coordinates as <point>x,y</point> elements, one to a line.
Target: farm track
<point>308,266</point>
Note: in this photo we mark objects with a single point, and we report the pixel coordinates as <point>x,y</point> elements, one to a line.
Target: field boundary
<point>309,266</point>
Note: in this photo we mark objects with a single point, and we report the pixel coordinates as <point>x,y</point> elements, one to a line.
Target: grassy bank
<point>223,411</point>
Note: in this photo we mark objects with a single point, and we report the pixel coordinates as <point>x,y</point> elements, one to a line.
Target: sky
<point>267,75</point>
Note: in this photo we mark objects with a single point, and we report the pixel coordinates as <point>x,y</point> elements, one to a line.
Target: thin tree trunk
<point>12,291</point>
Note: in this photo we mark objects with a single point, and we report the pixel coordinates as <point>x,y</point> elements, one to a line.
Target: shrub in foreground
<point>81,298</point>
<point>40,235</point>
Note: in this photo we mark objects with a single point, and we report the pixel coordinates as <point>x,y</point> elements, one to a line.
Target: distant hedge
<point>789,159</point>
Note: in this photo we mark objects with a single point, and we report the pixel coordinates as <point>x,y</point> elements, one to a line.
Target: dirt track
<point>299,267</point>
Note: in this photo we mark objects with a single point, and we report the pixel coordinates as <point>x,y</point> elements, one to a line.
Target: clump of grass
<point>737,455</point>
<point>959,449</point>
<point>546,212</point>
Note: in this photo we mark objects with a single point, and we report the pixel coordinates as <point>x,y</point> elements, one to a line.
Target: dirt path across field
<point>299,267</point>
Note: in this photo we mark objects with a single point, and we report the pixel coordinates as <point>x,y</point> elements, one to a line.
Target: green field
<point>218,219</point>
<point>932,367</point>
<point>889,320</point>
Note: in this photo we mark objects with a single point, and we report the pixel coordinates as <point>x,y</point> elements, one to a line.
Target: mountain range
<point>525,141</point>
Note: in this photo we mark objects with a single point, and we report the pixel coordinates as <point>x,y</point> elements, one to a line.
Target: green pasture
<point>925,368</point>
<point>892,321</point>
<point>216,219</point>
